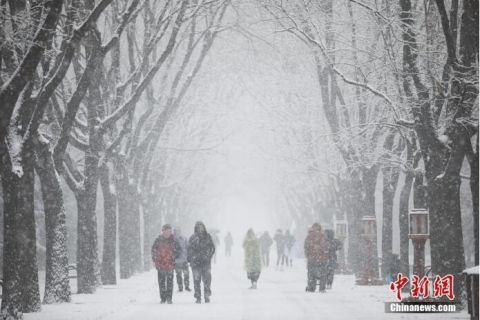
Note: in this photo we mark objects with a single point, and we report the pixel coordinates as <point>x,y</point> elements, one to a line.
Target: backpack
<point>164,257</point>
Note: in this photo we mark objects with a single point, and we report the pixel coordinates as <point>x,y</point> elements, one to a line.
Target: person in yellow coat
<point>253,261</point>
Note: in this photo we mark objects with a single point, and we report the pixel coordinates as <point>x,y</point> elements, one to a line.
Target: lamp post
<point>419,233</point>
<point>369,274</point>
<point>341,235</point>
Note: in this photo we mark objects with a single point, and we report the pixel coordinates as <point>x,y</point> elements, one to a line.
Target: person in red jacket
<point>165,250</point>
<point>316,252</point>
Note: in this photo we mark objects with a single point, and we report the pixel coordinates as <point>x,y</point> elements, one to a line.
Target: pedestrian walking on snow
<point>165,251</point>
<point>253,262</point>
<point>316,252</point>
<point>200,251</point>
<point>182,271</point>
<point>279,239</point>
<point>289,242</point>
<point>265,244</point>
<point>333,246</point>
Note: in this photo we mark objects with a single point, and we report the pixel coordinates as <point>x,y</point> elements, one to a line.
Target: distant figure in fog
<point>165,251</point>
<point>279,239</point>
<point>216,243</point>
<point>289,242</point>
<point>265,244</point>
<point>181,264</point>
<point>228,244</point>
<point>200,251</point>
<point>253,263</point>
<point>316,252</point>
<point>333,246</point>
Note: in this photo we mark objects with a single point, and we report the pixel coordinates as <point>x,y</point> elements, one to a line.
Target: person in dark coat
<point>279,239</point>
<point>181,265</point>
<point>200,251</point>
<point>333,246</point>
<point>253,262</point>
<point>316,252</point>
<point>165,250</point>
<point>228,244</point>
<point>289,242</point>
<point>265,244</point>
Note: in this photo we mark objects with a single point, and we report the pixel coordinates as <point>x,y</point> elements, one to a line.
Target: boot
<point>198,301</point>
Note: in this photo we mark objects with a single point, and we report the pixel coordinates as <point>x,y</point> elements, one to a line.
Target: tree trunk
<point>474,189</point>
<point>446,236</point>
<point>20,271</point>
<point>136,237</point>
<point>87,244</point>
<point>128,224</point>
<point>57,283</point>
<point>124,221</point>
<point>354,214</point>
<point>419,192</point>
<point>369,183</point>
<point>109,275</point>
<point>403,223</point>
<point>149,228</point>
<point>390,183</point>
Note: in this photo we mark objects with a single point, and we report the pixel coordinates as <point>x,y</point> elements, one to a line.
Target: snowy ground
<point>280,295</point>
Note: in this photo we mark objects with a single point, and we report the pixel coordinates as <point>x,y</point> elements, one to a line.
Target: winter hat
<point>166,226</point>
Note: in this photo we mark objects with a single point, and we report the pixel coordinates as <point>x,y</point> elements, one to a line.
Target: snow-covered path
<point>280,295</point>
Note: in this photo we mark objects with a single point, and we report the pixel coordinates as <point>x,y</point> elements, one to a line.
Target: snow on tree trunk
<point>109,274</point>
<point>390,183</point>
<point>87,242</point>
<point>20,271</point>
<point>128,226</point>
<point>148,231</point>
<point>446,236</point>
<point>474,189</point>
<point>57,283</point>
<point>403,223</point>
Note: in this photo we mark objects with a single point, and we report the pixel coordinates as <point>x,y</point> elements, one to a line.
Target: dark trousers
<point>330,273</point>
<point>316,272</point>
<point>266,257</point>
<point>165,284</point>
<point>183,275</point>
<point>253,276</point>
<point>202,274</point>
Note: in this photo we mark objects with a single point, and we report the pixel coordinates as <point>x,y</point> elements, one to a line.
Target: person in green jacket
<point>253,262</point>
